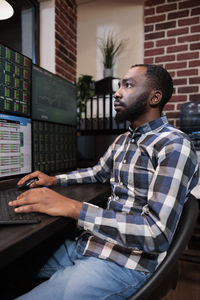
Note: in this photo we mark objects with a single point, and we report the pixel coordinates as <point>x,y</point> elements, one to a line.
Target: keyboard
<point>7,213</point>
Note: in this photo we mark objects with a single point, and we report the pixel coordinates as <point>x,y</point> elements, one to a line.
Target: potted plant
<point>110,46</point>
<point>85,90</point>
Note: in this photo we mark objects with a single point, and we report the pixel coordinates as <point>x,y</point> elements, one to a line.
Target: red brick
<point>195,29</point>
<point>178,98</point>
<point>154,52</point>
<point>195,97</point>
<point>195,11</point>
<point>148,28</point>
<point>148,12</point>
<point>195,46</point>
<point>169,106</point>
<point>165,42</point>
<point>65,38</point>
<point>181,81</point>
<point>178,14</point>
<point>176,65</point>
<point>173,114</point>
<point>64,58</point>
<point>155,19</point>
<point>194,80</point>
<point>188,4</point>
<point>63,65</point>
<point>190,21</point>
<point>166,25</point>
<point>148,60</point>
<point>190,55</point>
<point>187,89</point>
<point>70,46</point>
<point>165,58</point>
<point>187,72</point>
<point>153,2</point>
<point>165,8</point>
<point>148,45</point>
<point>178,31</point>
<point>194,63</point>
<point>179,48</point>
<point>156,35</point>
<point>59,38</point>
<point>189,38</point>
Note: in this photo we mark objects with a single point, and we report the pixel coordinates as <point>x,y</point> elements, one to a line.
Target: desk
<point>16,240</point>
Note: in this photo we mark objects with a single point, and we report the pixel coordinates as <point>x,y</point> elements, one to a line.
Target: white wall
<point>123,17</point>
<point>47,35</point>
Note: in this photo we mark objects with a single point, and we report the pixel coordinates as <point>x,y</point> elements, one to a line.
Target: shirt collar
<point>154,125</point>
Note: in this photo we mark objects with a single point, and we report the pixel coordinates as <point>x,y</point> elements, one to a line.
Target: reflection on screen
<point>15,145</point>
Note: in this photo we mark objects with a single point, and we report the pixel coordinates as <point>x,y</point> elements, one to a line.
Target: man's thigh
<point>87,279</point>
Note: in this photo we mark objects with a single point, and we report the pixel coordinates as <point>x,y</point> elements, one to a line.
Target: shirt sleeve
<point>99,173</point>
<point>151,228</point>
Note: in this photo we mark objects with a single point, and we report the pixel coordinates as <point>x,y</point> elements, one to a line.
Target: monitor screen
<point>15,146</point>
<point>54,147</point>
<point>15,82</point>
<point>53,98</point>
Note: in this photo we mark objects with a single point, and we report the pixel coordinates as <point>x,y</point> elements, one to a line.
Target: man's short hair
<point>159,79</point>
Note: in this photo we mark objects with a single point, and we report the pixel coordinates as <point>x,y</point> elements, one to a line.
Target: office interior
<point>48,45</point>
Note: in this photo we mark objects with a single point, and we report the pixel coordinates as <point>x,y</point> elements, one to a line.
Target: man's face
<point>132,96</point>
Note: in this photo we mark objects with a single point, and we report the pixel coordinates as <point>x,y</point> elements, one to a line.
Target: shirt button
<point>121,183</point>
<point>117,198</point>
<point>124,161</point>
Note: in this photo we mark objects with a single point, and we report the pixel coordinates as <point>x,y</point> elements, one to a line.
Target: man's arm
<point>47,201</point>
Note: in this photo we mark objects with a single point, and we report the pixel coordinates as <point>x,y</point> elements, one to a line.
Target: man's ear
<point>155,98</point>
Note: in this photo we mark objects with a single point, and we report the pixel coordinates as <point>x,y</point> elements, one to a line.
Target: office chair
<point>166,275</point>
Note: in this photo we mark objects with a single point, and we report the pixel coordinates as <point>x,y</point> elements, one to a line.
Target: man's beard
<point>134,111</point>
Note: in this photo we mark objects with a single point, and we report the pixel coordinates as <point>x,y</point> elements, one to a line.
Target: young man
<point>152,169</point>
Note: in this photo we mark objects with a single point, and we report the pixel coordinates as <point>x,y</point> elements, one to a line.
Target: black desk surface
<point>16,240</point>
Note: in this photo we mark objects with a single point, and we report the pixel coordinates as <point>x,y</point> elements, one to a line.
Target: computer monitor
<point>15,146</point>
<point>15,82</point>
<point>54,147</point>
<point>53,98</point>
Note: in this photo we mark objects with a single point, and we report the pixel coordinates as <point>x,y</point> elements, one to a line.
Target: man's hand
<point>46,201</point>
<point>43,179</point>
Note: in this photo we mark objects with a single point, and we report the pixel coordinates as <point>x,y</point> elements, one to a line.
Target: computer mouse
<point>26,185</point>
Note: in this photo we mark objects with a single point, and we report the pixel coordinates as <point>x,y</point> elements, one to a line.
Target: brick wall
<point>66,38</point>
<point>172,39</point>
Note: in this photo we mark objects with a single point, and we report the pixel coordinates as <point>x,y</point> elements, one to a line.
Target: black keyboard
<point>7,213</point>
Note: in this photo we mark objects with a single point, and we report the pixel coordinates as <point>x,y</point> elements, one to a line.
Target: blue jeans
<point>77,277</point>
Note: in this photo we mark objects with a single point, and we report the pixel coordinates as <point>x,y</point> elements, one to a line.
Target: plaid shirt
<point>152,169</point>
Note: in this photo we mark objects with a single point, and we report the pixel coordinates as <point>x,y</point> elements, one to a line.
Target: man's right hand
<point>43,179</point>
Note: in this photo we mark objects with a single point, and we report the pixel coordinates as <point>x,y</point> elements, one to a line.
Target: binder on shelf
<point>100,110</point>
<point>94,112</point>
<point>88,114</point>
<point>107,112</point>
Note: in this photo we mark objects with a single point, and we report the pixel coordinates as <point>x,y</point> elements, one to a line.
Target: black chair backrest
<point>161,277</point>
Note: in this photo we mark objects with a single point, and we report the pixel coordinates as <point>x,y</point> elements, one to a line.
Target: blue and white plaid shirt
<point>152,169</point>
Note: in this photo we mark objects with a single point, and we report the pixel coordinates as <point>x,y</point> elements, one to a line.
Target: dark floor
<point>188,287</point>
